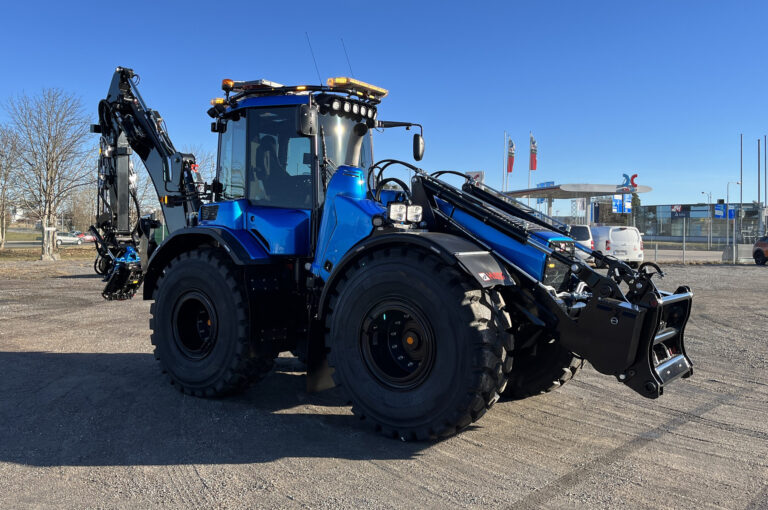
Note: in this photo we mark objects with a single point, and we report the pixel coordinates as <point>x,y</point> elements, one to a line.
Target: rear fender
<point>241,247</point>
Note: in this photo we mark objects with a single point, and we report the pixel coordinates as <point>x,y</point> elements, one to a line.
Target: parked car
<point>87,237</point>
<point>583,235</point>
<point>760,251</point>
<point>67,238</point>
<point>624,243</point>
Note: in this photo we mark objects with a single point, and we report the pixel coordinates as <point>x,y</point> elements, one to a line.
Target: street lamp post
<point>727,212</point>
<point>709,217</point>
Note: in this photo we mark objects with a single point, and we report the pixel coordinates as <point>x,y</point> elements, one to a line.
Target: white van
<point>583,235</point>
<point>624,243</point>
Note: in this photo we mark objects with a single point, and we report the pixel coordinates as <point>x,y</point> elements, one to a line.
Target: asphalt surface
<point>87,421</point>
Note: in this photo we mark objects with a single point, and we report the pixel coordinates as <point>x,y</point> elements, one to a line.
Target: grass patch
<point>31,254</point>
<point>24,236</point>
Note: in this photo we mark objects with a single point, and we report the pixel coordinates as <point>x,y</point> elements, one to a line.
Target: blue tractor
<point>425,301</point>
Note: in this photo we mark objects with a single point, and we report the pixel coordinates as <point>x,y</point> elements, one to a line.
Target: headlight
<point>414,213</point>
<point>355,108</point>
<point>370,113</point>
<point>363,110</point>
<point>347,107</point>
<point>336,104</point>
<point>398,212</point>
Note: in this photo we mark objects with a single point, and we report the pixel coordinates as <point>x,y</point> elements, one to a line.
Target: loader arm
<point>635,335</point>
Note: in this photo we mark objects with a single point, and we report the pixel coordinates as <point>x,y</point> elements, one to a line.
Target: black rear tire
<point>760,258</point>
<point>433,367</point>
<point>541,368</point>
<point>200,327</point>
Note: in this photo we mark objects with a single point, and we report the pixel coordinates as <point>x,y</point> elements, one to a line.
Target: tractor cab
<point>278,148</point>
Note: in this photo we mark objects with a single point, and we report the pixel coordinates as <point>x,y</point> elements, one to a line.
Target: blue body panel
<point>286,231</point>
<point>528,258</point>
<point>230,214</point>
<point>346,219</point>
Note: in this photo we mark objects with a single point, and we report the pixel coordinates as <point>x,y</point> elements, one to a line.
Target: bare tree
<point>205,159</point>
<point>52,130</point>
<point>80,207</point>
<point>145,190</point>
<point>9,161</point>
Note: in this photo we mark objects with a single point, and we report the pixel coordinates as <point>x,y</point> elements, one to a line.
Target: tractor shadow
<point>94,409</point>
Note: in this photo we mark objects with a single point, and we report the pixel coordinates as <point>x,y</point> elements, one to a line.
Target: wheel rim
<point>195,327</point>
<point>397,345</point>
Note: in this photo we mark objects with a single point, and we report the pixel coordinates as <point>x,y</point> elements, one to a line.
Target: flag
<point>534,151</point>
<point>510,156</point>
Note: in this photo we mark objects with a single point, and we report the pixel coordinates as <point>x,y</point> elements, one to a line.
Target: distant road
<point>35,244</point>
<point>22,244</point>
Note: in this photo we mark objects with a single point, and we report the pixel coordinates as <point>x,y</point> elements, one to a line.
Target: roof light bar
<point>238,86</point>
<point>358,87</point>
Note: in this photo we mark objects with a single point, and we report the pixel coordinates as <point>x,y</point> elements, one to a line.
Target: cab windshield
<point>338,134</point>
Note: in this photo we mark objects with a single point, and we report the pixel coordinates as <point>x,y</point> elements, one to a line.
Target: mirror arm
<point>390,124</point>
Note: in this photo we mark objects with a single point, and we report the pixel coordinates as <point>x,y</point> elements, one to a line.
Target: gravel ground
<point>87,420</point>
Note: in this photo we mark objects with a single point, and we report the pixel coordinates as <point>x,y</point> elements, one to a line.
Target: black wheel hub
<point>195,326</point>
<point>397,345</point>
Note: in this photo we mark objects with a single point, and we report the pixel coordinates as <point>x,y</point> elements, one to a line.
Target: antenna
<point>320,79</point>
<point>347,55</point>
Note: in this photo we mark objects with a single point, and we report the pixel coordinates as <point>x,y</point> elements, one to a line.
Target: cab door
<point>266,170</point>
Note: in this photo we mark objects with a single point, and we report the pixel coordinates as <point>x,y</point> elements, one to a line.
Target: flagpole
<point>530,135</point>
<point>504,166</point>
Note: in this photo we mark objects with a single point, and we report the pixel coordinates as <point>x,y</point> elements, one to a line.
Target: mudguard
<point>474,260</point>
<point>241,247</point>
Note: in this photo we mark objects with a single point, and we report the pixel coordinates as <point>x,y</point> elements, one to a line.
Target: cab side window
<point>280,160</point>
<point>232,168</point>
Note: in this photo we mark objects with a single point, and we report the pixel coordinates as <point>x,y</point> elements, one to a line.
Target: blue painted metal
<point>346,218</point>
<point>231,215</point>
<point>286,231</point>
<point>527,257</point>
<point>130,256</point>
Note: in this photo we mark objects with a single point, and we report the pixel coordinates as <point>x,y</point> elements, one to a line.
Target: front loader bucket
<point>642,345</point>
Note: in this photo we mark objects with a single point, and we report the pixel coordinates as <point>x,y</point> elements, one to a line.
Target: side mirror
<point>219,126</point>
<point>418,147</point>
<point>307,120</point>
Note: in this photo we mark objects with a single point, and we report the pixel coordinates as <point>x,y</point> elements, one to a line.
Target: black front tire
<point>200,327</point>
<point>760,258</point>
<point>456,352</point>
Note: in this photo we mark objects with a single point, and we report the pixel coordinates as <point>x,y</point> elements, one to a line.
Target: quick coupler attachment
<point>661,355</point>
<point>640,344</point>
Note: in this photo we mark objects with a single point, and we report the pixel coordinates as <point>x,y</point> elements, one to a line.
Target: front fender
<point>472,259</point>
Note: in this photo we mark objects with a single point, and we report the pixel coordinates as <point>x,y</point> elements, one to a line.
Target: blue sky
<point>657,88</point>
